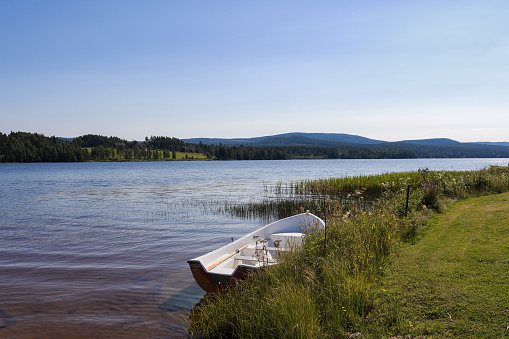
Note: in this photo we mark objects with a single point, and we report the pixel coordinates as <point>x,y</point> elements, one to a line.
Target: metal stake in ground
<point>407,197</point>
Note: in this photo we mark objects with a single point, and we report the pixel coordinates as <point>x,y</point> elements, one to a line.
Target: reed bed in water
<point>332,289</point>
<point>273,209</point>
<point>457,184</point>
<point>372,185</point>
<point>426,188</point>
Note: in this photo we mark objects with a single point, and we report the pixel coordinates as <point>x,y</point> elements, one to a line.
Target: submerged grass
<point>339,287</point>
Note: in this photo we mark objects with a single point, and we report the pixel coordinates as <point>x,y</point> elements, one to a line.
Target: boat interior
<point>259,252</point>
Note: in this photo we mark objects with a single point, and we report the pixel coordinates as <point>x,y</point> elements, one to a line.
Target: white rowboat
<point>219,268</point>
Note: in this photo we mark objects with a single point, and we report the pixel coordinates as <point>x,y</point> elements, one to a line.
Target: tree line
<point>32,147</point>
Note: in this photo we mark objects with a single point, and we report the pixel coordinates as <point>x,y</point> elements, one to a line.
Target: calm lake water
<point>100,249</point>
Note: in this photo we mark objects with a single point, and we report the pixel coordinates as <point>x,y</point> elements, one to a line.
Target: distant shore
<point>25,147</point>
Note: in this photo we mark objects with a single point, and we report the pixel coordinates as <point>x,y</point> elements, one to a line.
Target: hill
<point>432,142</point>
<point>290,138</point>
<point>506,144</point>
<point>446,148</point>
<point>421,148</point>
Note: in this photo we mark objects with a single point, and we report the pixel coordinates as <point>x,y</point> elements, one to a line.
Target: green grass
<point>178,156</point>
<point>456,184</point>
<point>454,283</point>
<point>370,185</point>
<point>320,291</point>
<point>382,273</point>
<point>189,156</point>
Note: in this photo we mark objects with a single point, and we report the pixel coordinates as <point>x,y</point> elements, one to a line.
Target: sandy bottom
<point>134,313</point>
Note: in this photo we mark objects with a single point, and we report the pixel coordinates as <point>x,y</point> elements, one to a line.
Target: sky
<point>388,70</point>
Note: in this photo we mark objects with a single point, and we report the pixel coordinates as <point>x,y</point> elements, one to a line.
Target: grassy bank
<point>454,283</point>
<point>344,282</point>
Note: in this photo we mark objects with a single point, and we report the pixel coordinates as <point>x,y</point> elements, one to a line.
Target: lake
<point>100,249</point>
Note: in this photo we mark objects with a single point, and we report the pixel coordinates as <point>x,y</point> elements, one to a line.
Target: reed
<point>271,209</point>
<point>455,183</point>
<point>372,185</point>
<point>333,289</point>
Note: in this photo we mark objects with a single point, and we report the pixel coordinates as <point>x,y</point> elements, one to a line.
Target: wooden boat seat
<point>292,239</point>
<point>221,270</point>
<point>276,249</point>
<point>268,248</point>
<point>248,258</point>
<point>245,257</point>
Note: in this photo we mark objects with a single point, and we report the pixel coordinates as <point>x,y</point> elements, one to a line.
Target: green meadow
<point>433,267</point>
<point>187,156</point>
<point>114,154</point>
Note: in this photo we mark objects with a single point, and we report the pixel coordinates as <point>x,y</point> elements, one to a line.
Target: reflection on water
<point>100,249</point>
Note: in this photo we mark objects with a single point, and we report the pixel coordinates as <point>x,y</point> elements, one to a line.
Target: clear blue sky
<point>389,70</point>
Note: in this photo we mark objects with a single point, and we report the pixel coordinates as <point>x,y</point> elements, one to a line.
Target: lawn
<point>454,282</point>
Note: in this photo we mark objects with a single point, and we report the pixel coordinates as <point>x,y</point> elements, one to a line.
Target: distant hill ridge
<point>289,137</point>
<point>328,139</point>
<point>422,148</point>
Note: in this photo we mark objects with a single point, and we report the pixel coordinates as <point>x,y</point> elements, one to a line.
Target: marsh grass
<point>335,284</point>
<point>427,187</point>
<point>283,206</point>
<point>272,209</point>
<point>429,190</point>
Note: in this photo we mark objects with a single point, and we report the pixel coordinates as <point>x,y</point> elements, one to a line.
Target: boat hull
<point>214,282</point>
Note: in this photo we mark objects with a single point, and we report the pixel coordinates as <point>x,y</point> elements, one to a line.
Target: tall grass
<point>331,286</point>
<point>318,291</point>
<point>372,185</point>
<point>451,183</point>
<point>272,209</point>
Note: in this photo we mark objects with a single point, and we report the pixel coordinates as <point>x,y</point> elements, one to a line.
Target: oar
<point>228,257</point>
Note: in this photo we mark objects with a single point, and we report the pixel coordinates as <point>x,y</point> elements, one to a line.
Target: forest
<point>24,147</point>
<point>32,147</point>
